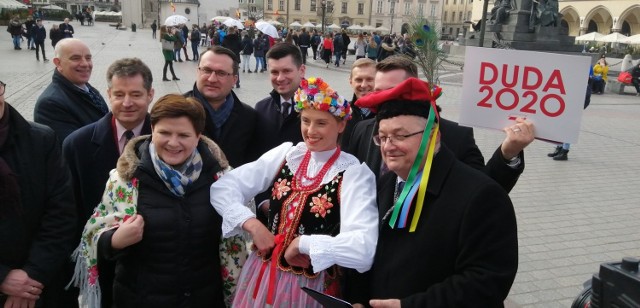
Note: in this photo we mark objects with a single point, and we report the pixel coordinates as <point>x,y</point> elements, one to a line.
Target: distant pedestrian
<point>55,35</point>
<point>360,47</point>
<point>15,29</point>
<point>247,50</point>
<point>315,41</point>
<point>39,34</point>
<point>154,27</point>
<point>66,28</point>
<point>327,49</point>
<point>259,50</point>
<point>168,40</point>
<point>185,40</point>
<point>28,25</point>
<point>195,42</point>
<point>372,49</point>
<point>345,43</point>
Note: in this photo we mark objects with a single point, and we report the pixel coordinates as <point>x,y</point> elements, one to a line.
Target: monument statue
<point>500,11</point>
<point>544,13</point>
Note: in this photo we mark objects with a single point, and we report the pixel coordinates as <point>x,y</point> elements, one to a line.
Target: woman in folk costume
<point>155,220</point>
<point>322,213</point>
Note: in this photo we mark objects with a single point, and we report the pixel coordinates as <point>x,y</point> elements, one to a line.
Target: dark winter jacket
<point>247,46</point>
<point>260,46</point>
<point>15,28</point>
<point>64,107</point>
<point>63,27</point>
<point>232,42</point>
<point>239,136</point>
<point>39,34</point>
<point>37,235</point>
<point>55,36</point>
<point>177,263</point>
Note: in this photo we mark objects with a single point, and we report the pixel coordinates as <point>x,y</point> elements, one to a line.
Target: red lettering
<point>555,82</point>
<point>513,93</point>
<point>528,70</point>
<point>483,70</point>
<point>543,105</point>
<point>484,101</point>
<point>514,79</point>
<point>527,108</point>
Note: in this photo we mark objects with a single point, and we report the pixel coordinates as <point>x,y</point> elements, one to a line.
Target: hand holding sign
<point>502,85</point>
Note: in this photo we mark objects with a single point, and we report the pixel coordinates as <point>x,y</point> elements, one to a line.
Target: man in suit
<point>93,150</point>
<point>361,80</point>
<point>230,122</point>
<point>69,101</point>
<point>36,213</point>
<point>459,247</point>
<point>506,164</point>
<point>278,122</point>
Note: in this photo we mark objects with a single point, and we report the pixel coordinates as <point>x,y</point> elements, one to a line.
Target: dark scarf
<point>219,116</point>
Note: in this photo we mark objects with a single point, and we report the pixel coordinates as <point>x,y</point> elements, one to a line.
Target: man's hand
<point>519,136</point>
<point>128,233</point>
<point>294,257</point>
<point>19,302</point>
<point>385,303</point>
<point>263,239</point>
<point>18,284</point>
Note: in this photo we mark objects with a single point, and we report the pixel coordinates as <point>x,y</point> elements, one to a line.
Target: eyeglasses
<point>205,71</point>
<point>380,140</point>
<point>2,87</point>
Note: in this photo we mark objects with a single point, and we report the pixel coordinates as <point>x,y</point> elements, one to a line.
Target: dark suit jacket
<point>459,139</point>
<point>463,253</point>
<point>273,128</point>
<point>356,117</point>
<point>64,107</point>
<point>239,138</point>
<point>92,151</point>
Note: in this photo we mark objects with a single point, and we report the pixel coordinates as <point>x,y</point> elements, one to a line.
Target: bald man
<point>70,102</point>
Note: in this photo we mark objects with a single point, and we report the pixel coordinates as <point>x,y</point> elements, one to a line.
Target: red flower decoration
<point>134,182</point>
<point>93,274</point>
<point>321,205</point>
<point>280,189</point>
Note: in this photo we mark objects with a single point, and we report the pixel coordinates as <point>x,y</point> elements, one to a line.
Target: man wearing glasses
<point>506,164</point>
<point>37,216</point>
<point>453,243</point>
<point>230,122</point>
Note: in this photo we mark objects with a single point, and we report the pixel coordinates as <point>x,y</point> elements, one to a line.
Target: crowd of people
<point>34,32</point>
<point>152,204</point>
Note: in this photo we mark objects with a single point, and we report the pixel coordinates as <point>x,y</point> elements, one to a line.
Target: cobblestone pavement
<point>572,215</point>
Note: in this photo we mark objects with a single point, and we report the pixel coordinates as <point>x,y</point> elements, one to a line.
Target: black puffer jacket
<point>177,263</point>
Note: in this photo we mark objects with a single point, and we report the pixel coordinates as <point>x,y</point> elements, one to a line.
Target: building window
<point>460,16</point>
<point>420,9</point>
<point>252,1</point>
<point>450,30</point>
<point>433,10</point>
<point>313,5</point>
<point>297,5</point>
<point>446,2</point>
<point>407,8</point>
<point>253,9</point>
<point>468,15</point>
<point>281,5</point>
<point>360,8</point>
<point>445,16</point>
<point>454,2</point>
<point>343,9</point>
<point>379,7</point>
<point>270,5</point>
<point>392,8</point>
<point>240,1</point>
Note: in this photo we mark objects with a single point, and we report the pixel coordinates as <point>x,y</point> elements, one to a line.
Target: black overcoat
<point>463,253</point>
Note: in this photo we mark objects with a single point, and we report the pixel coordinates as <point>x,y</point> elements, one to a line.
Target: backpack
<point>338,43</point>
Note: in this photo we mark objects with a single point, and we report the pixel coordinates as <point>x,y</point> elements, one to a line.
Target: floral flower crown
<point>315,93</point>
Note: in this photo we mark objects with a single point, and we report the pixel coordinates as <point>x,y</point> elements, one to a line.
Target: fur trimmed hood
<point>129,161</point>
<point>388,47</point>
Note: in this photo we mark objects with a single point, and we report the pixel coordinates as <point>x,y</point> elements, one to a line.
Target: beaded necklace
<point>301,174</point>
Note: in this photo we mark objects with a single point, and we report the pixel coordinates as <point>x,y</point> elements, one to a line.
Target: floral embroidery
<point>233,254</point>
<point>280,189</point>
<point>321,205</point>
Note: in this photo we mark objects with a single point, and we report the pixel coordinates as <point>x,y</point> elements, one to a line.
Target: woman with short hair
<point>155,219</point>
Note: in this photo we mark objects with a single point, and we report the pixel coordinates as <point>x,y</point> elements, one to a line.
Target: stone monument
<point>525,25</point>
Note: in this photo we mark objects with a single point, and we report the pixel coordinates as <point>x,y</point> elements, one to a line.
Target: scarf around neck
<point>177,180</point>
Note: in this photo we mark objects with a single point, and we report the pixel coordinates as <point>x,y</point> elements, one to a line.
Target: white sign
<point>546,89</point>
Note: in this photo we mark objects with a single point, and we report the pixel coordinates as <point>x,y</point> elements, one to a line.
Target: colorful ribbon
<point>403,204</point>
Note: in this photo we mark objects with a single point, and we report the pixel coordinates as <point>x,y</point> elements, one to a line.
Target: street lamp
<point>393,13</point>
<point>325,4</point>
